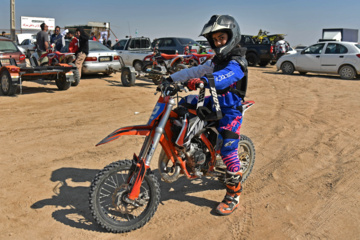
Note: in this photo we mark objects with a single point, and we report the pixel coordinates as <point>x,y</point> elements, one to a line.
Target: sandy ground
<point>305,183</point>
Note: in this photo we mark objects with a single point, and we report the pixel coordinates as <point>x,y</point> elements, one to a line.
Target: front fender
<point>132,130</point>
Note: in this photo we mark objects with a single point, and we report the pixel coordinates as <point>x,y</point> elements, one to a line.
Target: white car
<point>29,46</point>
<point>291,51</point>
<point>333,57</point>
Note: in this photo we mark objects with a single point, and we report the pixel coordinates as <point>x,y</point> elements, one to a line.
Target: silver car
<point>332,57</point>
<point>29,46</point>
<point>99,60</point>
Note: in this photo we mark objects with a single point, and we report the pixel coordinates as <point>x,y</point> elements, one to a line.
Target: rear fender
<point>246,105</point>
<point>142,130</point>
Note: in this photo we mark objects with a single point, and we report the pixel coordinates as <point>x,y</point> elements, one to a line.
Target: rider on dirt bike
<point>227,73</point>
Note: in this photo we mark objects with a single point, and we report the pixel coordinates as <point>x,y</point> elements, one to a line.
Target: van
<point>22,36</point>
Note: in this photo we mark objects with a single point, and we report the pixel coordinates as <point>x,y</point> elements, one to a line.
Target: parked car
<point>341,58</point>
<point>175,45</point>
<point>299,48</point>
<point>291,51</point>
<point>22,36</point>
<point>99,60</point>
<point>133,50</point>
<point>29,46</point>
<point>258,53</point>
<point>9,49</point>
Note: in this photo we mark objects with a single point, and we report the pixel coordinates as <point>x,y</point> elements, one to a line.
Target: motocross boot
<point>233,191</point>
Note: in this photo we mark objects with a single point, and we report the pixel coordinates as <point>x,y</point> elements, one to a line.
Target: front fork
<point>148,149</point>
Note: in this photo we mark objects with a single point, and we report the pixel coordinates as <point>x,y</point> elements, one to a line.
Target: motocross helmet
<point>222,23</point>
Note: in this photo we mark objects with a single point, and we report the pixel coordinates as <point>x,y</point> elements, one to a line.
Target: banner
<point>35,22</point>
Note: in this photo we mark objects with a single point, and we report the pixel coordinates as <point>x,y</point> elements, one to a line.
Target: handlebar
<point>171,89</point>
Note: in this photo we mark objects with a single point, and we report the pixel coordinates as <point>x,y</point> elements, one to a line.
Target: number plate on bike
<point>104,59</point>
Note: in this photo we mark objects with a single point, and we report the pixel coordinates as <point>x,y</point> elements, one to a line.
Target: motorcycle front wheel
<point>108,192</point>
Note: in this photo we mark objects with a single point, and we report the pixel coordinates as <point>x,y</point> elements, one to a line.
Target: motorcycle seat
<point>169,56</point>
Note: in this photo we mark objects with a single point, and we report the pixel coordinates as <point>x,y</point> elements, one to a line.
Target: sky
<point>301,21</point>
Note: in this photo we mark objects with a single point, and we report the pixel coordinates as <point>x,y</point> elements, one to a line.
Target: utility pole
<point>12,19</point>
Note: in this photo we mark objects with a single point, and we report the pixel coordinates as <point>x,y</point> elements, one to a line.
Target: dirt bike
<point>194,59</point>
<point>160,64</point>
<point>263,37</point>
<point>53,58</point>
<point>125,195</point>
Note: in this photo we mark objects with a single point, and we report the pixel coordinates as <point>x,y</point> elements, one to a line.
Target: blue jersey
<point>226,77</point>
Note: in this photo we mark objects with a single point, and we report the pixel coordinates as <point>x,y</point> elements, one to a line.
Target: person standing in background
<point>57,39</point>
<point>92,36</point>
<point>281,47</point>
<point>42,42</point>
<point>83,49</point>
<point>74,44</point>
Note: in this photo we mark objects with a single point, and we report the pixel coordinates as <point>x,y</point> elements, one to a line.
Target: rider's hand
<point>194,83</point>
<point>165,83</point>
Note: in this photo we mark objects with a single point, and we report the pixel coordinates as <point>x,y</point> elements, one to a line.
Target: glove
<point>165,83</point>
<point>194,83</point>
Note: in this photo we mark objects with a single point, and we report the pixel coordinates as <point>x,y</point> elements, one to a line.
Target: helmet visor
<point>215,24</point>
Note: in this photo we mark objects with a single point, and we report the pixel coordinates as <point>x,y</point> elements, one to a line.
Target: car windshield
<point>314,49</point>
<point>120,45</point>
<point>187,41</point>
<point>97,46</point>
<point>8,46</point>
<point>357,45</point>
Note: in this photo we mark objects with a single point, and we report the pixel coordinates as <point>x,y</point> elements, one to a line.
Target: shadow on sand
<point>71,193</point>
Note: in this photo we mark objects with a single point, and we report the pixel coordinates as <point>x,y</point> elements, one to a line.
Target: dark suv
<point>173,45</point>
<point>9,49</point>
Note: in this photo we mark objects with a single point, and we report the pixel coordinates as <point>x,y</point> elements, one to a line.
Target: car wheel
<point>127,77</point>
<point>7,86</point>
<point>287,68</point>
<point>138,66</point>
<point>347,72</point>
<point>252,59</point>
<point>302,73</point>
<point>61,82</point>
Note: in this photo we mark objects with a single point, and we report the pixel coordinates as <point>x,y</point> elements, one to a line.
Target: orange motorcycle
<point>125,194</point>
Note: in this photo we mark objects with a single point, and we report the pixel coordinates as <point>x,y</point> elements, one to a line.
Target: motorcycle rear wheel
<point>107,203</point>
<point>246,154</point>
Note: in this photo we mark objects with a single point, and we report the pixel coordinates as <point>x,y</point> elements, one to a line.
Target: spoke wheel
<point>246,154</point>
<point>109,204</point>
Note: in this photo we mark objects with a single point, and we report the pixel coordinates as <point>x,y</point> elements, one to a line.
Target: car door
<point>309,59</point>
<point>334,56</point>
